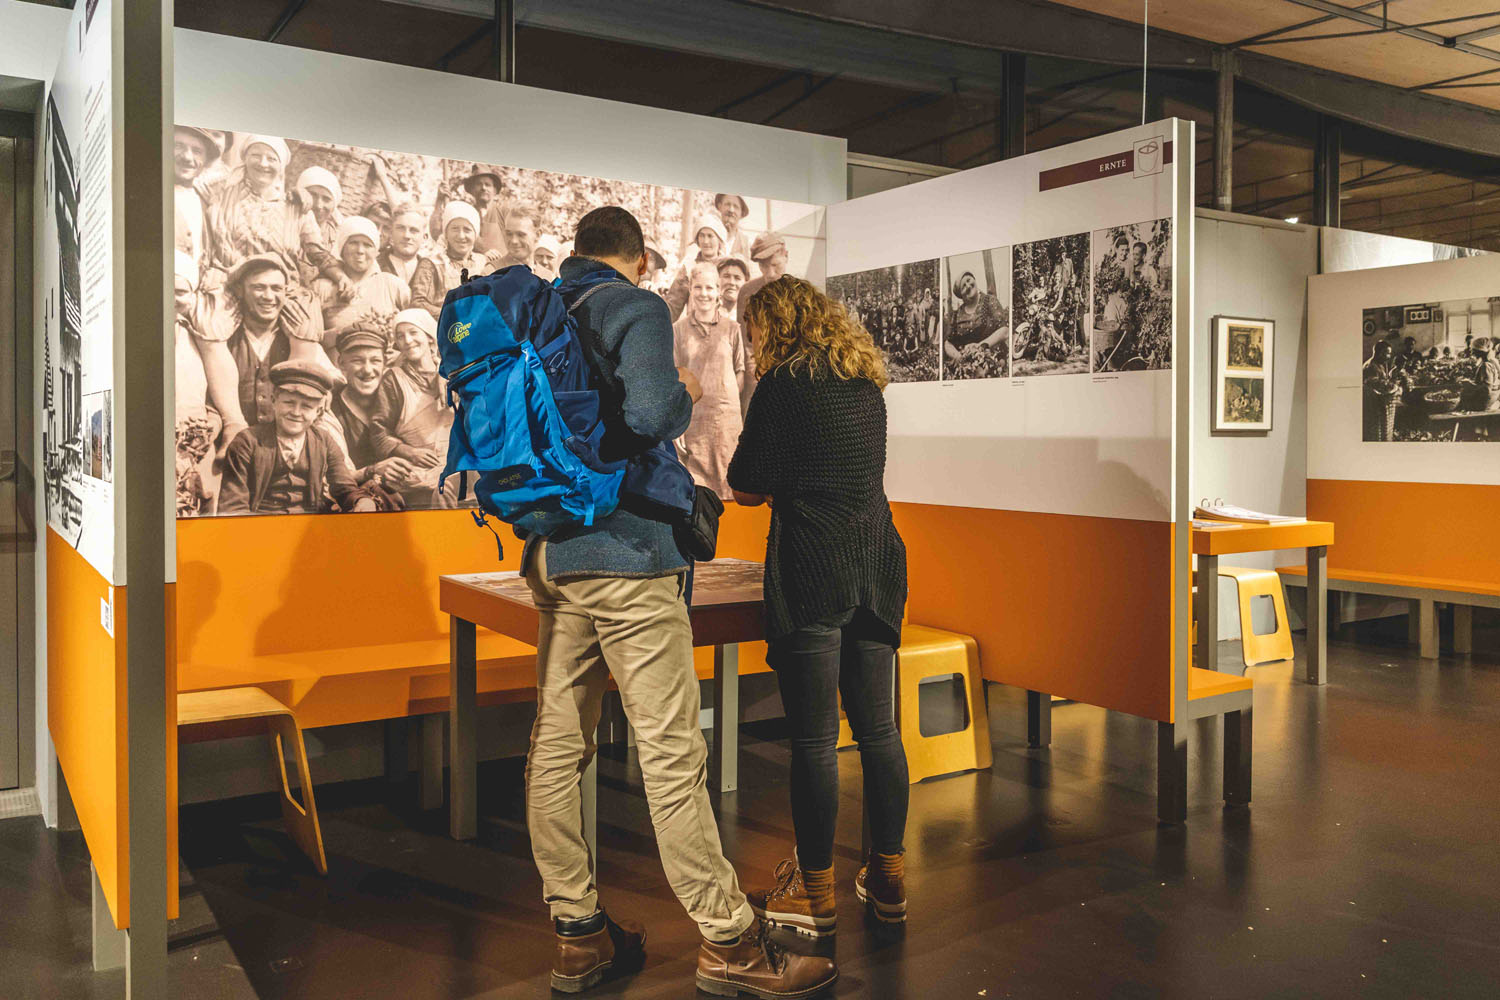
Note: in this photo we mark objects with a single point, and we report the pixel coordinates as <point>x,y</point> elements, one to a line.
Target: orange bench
<point>336,616</point>
<point>1424,593</point>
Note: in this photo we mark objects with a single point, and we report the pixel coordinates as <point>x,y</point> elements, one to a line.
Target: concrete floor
<point>1366,865</point>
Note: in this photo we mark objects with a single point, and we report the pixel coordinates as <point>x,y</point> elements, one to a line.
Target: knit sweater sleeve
<point>759,462</point>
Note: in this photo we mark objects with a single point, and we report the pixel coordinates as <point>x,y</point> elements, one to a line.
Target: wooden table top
<point>1231,538</point>
<point>727,602</point>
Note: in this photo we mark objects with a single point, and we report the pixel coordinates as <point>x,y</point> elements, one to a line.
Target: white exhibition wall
<point>1253,268</point>
<point>1336,448</point>
<point>1084,444</point>
<point>249,86</point>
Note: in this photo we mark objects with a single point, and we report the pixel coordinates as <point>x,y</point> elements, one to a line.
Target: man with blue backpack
<point>576,384</point>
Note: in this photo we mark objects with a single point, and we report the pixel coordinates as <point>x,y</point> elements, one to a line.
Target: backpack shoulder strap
<point>593,347</point>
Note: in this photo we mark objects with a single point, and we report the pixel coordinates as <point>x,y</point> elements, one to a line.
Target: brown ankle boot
<point>881,886</point>
<point>801,900</point>
<point>757,966</point>
<point>594,947</point>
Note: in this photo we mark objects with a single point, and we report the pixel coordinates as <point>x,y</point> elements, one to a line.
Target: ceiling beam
<point>1314,22</point>
<point>1410,31</point>
<point>1389,28</point>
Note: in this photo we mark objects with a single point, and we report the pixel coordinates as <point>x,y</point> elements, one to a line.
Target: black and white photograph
<point>339,258</point>
<point>1132,301</point>
<point>976,315</point>
<point>1244,401</point>
<point>1431,371</point>
<point>899,308</point>
<point>1050,303</point>
<point>1247,348</point>
<point>63,442</point>
<point>1244,368</point>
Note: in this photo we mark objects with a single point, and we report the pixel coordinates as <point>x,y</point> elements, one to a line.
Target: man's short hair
<point>609,232</point>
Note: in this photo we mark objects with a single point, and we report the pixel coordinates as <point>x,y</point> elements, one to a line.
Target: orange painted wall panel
<point>1446,531</point>
<point>86,711</point>
<point>1073,606</point>
<point>253,586</point>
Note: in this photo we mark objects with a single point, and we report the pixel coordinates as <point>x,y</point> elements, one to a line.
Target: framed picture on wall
<point>1243,368</point>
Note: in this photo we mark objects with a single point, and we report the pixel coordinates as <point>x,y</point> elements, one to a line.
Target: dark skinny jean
<point>848,654</point>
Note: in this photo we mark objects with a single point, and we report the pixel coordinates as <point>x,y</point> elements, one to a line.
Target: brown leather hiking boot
<point>759,967</point>
<point>594,947</point>
<point>881,886</point>
<point>800,900</point>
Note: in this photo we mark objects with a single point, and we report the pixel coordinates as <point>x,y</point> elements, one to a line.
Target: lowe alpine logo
<point>458,331</point>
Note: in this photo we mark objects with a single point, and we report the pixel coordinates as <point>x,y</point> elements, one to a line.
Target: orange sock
<point>891,867</point>
<point>819,883</point>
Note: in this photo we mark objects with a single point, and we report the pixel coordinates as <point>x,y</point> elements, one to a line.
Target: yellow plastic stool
<point>929,652</point>
<point>1250,583</point>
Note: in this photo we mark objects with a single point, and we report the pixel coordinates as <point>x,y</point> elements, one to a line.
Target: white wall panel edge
<point>1335,445</point>
<point>243,85</point>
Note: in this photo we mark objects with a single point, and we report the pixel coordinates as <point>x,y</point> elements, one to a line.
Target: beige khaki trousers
<point>636,631</point>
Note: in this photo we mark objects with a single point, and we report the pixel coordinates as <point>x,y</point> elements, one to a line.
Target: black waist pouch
<point>697,535</point>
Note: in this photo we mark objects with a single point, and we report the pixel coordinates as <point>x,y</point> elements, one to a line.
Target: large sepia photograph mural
<point>339,257</point>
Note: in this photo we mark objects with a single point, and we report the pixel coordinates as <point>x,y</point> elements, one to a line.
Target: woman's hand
<point>750,499</point>
<point>691,383</point>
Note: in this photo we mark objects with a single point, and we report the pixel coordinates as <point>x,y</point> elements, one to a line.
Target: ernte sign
<point>1150,156</point>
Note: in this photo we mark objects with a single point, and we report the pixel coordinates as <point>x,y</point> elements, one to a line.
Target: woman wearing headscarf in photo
<point>443,271</point>
<point>253,215</point>
<point>710,242</point>
<point>814,446</point>
<point>412,418</point>
<point>358,290</point>
<point>318,194</point>
<point>547,258</point>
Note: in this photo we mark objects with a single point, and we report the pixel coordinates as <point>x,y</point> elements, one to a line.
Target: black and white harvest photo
<point>1132,302</point>
<point>976,315</point>
<point>1432,371</point>
<point>1050,303</point>
<point>1244,401</point>
<point>339,257</point>
<point>899,307</point>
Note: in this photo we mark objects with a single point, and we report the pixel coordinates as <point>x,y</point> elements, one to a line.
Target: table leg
<point>1206,612</point>
<point>463,696</point>
<point>1038,719</point>
<point>1317,614</point>
<point>726,745</point>
<point>1237,752</point>
<point>1463,629</point>
<point>1171,773</point>
<point>1427,628</point>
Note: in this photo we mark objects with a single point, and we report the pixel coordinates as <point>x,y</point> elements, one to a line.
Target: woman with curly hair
<point>814,447</point>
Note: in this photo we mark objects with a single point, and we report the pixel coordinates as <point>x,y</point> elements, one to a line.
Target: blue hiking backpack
<point>533,395</point>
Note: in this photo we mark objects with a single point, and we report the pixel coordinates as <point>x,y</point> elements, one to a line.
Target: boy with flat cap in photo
<point>770,255</point>
<point>288,466</point>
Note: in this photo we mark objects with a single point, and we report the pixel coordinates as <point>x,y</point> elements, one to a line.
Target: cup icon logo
<point>1148,156</point>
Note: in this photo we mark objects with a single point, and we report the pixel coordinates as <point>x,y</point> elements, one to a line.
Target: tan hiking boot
<point>759,967</point>
<point>800,900</point>
<point>593,948</point>
<point>881,886</point>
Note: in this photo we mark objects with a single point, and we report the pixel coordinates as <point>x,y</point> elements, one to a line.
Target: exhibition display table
<point>1209,543</point>
<point>726,611</point>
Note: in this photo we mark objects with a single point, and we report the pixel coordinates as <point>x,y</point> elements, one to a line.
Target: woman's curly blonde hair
<point>798,326</point>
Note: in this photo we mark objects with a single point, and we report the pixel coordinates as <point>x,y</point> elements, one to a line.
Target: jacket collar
<point>580,273</point>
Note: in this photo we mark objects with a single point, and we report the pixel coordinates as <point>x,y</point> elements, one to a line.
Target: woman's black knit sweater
<point>815,444</point>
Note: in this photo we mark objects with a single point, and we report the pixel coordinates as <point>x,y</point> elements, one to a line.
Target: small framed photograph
<point>1243,374</point>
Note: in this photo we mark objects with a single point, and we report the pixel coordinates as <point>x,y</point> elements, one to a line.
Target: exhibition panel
<point>81,311</point>
<point>1059,270</point>
<point>1404,417</point>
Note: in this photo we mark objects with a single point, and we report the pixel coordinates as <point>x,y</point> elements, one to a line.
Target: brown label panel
<point>1123,162</point>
